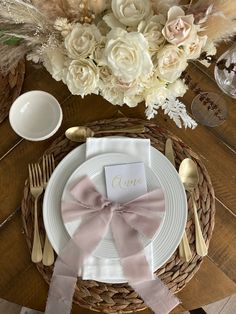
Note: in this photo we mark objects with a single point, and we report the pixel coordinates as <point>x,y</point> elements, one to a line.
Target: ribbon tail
<point>156,295</point>
<point>70,262</point>
<point>64,279</point>
<point>137,271</point>
<point>61,290</point>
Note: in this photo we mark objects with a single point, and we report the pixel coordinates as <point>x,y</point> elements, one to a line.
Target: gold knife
<point>169,153</point>
<point>184,248</point>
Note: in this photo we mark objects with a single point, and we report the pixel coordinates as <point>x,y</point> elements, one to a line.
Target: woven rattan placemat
<point>10,88</point>
<point>113,298</point>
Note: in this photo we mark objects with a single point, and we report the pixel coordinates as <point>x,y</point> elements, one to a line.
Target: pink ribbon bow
<point>142,215</point>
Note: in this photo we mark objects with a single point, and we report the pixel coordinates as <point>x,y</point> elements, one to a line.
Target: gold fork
<point>36,189</point>
<point>48,167</point>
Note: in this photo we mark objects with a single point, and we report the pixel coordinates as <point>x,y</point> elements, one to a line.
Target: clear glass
<point>209,109</point>
<point>225,72</point>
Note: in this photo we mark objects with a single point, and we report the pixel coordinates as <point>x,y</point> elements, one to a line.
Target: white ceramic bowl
<point>35,115</point>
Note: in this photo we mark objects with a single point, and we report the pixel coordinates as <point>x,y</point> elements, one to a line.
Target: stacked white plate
<point>73,167</point>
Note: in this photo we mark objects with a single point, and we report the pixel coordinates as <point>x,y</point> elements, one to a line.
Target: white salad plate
<point>94,169</point>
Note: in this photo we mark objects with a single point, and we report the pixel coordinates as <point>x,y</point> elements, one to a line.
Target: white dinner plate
<point>94,169</point>
<point>169,237</point>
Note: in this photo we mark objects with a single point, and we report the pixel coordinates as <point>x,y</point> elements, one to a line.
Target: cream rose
<point>54,61</point>
<point>82,77</point>
<point>179,27</point>
<point>126,54</point>
<point>194,49</point>
<point>81,41</point>
<point>171,62</point>
<point>131,12</point>
<point>151,29</point>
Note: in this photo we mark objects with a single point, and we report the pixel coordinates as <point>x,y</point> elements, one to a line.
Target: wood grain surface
<point>21,283</point>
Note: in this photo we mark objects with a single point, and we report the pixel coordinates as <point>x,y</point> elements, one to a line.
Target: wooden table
<point>20,281</point>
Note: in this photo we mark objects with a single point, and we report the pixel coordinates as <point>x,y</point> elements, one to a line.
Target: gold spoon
<point>184,248</point>
<point>189,177</point>
<point>80,133</point>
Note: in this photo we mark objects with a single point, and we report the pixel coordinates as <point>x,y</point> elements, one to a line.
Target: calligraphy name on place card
<point>120,182</point>
<point>125,182</point>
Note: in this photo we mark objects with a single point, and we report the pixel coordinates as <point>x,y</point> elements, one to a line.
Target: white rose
<point>131,12</point>
<point>82,77</point>
<point>171,62</point>
<point>151,29</point>
<point>81,41</point>
<point>193,49</point>
<point>178,88</point>
<point>54,61</point>
<point>126,54</point>
<point>179,27</point>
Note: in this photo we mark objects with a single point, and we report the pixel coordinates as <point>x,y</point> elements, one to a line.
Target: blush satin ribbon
<point>142,215</point>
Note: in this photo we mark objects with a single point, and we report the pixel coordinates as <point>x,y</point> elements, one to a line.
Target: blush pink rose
<point>179,27</point>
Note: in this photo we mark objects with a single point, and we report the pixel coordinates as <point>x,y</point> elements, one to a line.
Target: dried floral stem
<point>218,16</point>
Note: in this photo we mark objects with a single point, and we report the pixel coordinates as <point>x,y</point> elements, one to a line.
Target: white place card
<point>125,182</point>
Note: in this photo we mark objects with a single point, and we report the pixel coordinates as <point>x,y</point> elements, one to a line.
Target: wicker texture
<point>10,88</point>
<point>120,298</point>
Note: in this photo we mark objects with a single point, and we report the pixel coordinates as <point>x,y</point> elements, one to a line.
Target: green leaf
<point>8,39</point>
<point>12,41</point>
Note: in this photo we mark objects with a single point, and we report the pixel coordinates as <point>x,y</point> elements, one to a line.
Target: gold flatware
<point>184,248</point>
<point>169,152</point>
<point>189,176</point>
<point>36,189</point>
<point>80,133</point>
<point>48,168</point>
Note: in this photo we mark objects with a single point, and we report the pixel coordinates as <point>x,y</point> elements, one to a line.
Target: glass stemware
<point>225,72</point>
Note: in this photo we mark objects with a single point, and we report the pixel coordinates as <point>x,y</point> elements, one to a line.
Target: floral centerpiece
<point>128,51</point>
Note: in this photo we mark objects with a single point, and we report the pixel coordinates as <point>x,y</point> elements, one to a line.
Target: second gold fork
<point>48,167</point>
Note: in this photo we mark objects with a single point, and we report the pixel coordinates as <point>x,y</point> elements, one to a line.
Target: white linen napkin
<point>110,269</point>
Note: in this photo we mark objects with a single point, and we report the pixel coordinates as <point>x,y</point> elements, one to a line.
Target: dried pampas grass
<point>73,10</point>
<point>162,6</point>
<point>20,19</point>
<point>10,57</point>
<point>52,8</point>
<point>217,18</point>
<point>23,12</point>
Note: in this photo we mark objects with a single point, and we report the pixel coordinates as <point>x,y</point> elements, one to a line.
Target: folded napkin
<point>109,269</point>
<point>125,145</point>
